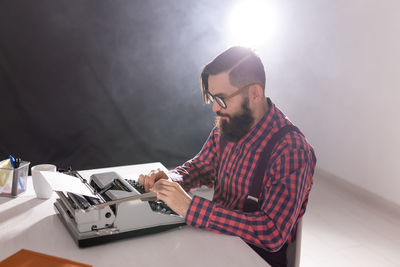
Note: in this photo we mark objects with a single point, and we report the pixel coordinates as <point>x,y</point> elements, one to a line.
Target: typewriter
<point>116,210</point>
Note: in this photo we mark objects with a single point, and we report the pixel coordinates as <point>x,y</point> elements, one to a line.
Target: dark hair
<point>244,66</point>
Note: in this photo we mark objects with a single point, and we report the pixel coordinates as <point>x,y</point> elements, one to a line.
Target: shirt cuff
<point>174,176</point>
<point>199,211</point>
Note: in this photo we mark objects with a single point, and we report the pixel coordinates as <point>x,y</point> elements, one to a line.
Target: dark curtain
<point>92,84</point>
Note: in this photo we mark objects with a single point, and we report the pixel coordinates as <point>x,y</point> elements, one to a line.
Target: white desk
<point>31,223</point>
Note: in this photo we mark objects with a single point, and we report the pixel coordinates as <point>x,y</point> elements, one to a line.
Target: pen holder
<point>14,181</point>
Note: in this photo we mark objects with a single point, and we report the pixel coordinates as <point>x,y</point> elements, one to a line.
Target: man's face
<point>238,125</point>
<point>237,119</point>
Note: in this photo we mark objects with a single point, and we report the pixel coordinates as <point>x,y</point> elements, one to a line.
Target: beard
<point>238,125</point>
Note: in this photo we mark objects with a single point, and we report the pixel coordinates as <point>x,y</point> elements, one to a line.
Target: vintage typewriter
<point>118,208</point>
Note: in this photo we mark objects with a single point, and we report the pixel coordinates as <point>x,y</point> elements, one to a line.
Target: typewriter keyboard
<point>157,206</point>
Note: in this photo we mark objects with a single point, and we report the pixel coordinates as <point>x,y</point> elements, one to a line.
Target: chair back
<point>294,249</point>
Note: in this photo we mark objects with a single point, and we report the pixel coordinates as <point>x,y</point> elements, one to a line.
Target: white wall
<point>334,68</point>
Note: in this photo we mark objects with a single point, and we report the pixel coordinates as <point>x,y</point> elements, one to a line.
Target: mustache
<point>220,114</point>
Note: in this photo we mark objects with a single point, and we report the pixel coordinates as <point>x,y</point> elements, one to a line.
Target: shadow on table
<point>20,208</point>
<point>47,233</point>
<point>5,200</point>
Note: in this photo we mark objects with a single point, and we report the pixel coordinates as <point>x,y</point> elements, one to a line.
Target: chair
<point>294,249</point>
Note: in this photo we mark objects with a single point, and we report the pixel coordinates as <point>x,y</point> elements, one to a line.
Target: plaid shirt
<point>286,184</point>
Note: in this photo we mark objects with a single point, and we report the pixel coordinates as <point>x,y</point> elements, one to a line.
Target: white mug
<point>42,187</point>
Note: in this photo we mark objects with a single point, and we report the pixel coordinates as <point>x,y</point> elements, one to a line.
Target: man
<point>261,166</point>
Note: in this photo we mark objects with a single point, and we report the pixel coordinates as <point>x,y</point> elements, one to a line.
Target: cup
<point>42,188</point>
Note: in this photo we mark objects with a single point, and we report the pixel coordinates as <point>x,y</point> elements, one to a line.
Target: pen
<point>20,184</point>
<point>15,164</point>
<point>12,161</point>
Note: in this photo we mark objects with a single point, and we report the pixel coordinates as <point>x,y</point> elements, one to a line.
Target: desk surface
<point>31,223</point>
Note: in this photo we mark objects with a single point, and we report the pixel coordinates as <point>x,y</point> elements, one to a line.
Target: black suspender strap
<point>251,201</point>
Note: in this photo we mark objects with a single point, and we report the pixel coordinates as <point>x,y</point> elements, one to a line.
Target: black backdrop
<point>101,83</point>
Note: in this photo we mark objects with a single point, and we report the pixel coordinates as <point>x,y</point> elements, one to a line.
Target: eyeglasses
<point>221,100</point>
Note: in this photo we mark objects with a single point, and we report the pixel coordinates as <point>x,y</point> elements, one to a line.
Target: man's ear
<point>256,92</point>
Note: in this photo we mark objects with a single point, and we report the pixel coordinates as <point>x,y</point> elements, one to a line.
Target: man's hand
<point>149,179</point>
<point>173,195</point>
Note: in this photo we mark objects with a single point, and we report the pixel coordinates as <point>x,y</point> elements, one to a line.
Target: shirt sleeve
<point>288,182</point>
<point>203,168</point>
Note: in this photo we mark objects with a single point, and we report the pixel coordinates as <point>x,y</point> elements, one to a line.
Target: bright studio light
<point>252,23</point>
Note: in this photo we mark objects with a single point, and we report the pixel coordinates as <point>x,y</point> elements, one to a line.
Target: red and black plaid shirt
<point>286,185</point>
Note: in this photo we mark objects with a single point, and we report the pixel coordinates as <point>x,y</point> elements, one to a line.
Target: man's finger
<point>140,179</point>
<point>147,184</point>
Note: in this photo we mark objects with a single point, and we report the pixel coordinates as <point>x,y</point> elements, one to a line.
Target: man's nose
<point>216,107</point>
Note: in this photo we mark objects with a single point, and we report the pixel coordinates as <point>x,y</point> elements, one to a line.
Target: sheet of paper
<point>62,182</point>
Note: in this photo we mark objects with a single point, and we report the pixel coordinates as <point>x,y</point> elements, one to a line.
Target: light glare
<point>252,23</point>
